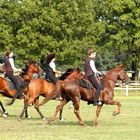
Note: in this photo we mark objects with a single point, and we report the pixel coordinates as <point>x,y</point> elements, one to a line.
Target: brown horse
<point>32,68</point>
<point>44,88</point>
<point>7,88</point>
<point>73,91</point>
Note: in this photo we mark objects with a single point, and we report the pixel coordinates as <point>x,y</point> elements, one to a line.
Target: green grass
<point>125,126</point>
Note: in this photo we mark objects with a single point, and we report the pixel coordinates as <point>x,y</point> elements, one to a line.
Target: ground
<point>125,126</point>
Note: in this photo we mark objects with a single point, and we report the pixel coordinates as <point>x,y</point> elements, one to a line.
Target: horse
<point>44,88</point>
<point>74,91</point>
<point>7,87</point>
<point>32,68</point>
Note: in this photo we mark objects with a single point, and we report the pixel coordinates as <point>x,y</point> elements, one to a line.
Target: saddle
<point>48,80</point>
<point>87,84</point>
<point>10,83</point>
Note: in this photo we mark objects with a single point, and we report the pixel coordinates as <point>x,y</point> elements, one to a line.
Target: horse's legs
<point>3,109</point>
<point>4,112</point>
<point>98,110</point>
<point>26,114</point>
<point>61,111</point>
<point>60,114</point>
<point>24,109</point>
<point>76,104</point>
<point>114,102</point>
<point>59,108</point>
<point>37,108</point>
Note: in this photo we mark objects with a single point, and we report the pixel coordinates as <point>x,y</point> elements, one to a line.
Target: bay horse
<point>72,90</point>
<point>7,88</point>
<point>44,88</point>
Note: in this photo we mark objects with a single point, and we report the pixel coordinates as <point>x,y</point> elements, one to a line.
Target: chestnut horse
<point>73,91</point>
<point>7,88</point>
<point>44,88</point>
<point>32,68</point>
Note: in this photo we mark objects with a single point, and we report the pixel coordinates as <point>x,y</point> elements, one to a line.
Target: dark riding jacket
<point>87,67</point>
<point>8,67</point>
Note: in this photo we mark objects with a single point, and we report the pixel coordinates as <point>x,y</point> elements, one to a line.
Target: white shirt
<point>92,65</point>
<point>11,60</point>
<point>53,66</point>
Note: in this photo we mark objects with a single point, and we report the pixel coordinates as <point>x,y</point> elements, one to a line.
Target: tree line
<point>33,28</point>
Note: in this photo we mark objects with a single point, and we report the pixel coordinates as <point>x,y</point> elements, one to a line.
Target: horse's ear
<point>78,69</point>
<point>121,66</point>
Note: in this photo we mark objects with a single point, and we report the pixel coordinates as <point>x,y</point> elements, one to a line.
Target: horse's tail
<point>23,86</point>
<point>55,93</point>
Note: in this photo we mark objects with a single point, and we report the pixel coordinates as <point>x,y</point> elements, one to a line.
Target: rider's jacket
<point>87,67</point>
<point>8,67</point>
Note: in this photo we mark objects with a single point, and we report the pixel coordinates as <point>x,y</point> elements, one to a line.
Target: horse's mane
<point>66,74</point>
<point>115,68</point>
<point>119,67</point>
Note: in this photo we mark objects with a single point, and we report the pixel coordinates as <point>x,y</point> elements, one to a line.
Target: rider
<point>92,74</point>
<point>10,68</point>
<point>50,68</point>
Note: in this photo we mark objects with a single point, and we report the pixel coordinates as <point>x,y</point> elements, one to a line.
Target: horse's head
<point>122,75</point>
<point>76,74</point>
<point>33,68</point>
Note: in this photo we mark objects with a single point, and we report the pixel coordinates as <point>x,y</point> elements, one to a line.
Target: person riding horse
<point>50,68</point>
<point>92,74</point>
<point>9,69</point>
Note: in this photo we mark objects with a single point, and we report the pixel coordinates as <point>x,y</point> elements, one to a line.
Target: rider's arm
<point>12,64</point>
<point>92,65</point>
<point>53,66</point>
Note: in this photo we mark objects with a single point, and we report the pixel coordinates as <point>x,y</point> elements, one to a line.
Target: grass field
<point>125,126</point>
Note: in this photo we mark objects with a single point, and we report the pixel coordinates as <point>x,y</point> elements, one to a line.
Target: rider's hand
<point>19,70</point>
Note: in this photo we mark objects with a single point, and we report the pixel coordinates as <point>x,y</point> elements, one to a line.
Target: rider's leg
<point>52,77</point>
<point>17,85</point>
<point>97,85</point>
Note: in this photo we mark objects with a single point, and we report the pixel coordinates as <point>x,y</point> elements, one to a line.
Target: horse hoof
<point>82,124</point>
<point>4,115</point>
<point>44,119</point>
<point>61,119</point>
<point>95,124</point>
<point>115,113</point>
<point>19,119</point>
<point>29,117</point>
<point>48,120</point>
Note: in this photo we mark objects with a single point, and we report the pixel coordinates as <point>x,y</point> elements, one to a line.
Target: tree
<point>69,28</point>
<point>122,30</point>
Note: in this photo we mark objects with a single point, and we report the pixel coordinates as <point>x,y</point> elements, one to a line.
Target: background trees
<point>36,27</point>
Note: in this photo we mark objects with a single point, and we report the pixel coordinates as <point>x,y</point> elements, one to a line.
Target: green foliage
<point>35,28</point>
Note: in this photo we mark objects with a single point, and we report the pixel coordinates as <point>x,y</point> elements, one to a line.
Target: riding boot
<point>52,77</point>
<point>96,100</point>
<point>19,93</point>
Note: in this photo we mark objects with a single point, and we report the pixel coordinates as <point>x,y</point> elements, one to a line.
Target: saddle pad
<point>85,84</point>
<point>88,85</point>
<point>11,85</point>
